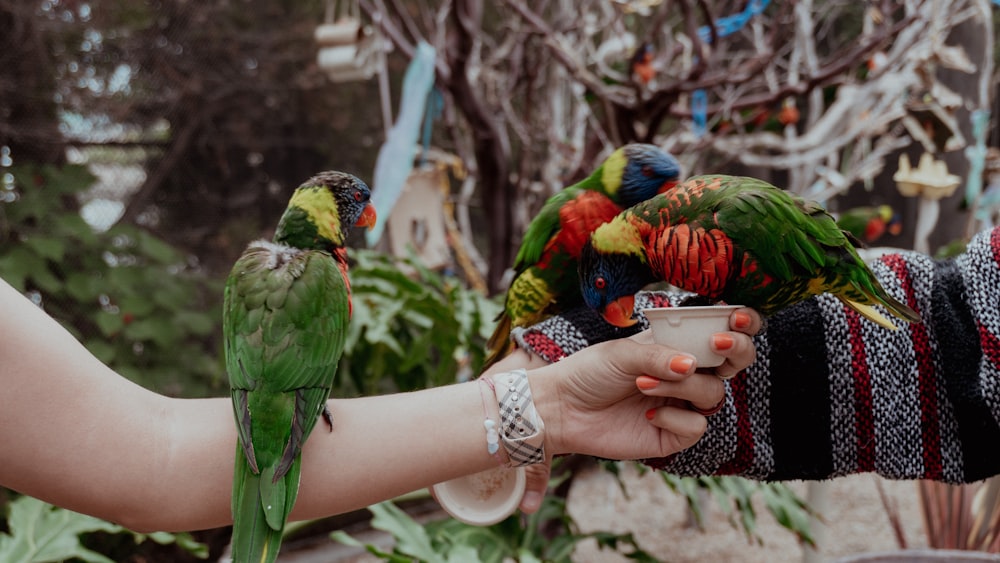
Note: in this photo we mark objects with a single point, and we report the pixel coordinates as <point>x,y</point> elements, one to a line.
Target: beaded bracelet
<point>522,430</point>
<point>492,435</point>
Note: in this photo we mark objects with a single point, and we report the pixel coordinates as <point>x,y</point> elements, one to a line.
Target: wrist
<point>545,390</point>
<point>522,430</point>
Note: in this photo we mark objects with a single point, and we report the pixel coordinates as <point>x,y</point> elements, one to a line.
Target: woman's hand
<point>631,398</point>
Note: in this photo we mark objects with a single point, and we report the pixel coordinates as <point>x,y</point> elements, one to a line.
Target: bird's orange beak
<point>620,312</point>
<point>367,218</point>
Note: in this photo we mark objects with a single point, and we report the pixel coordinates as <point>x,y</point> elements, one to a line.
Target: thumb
<point>537,481</point>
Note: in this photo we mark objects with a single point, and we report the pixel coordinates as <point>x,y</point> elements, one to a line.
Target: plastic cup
<point>483,498</point>
<point>689,329</point>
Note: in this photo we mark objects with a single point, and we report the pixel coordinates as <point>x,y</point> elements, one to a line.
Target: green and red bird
<point>870,223</point>
<point>733,239</point>
<point>545,279</point>
<point>287,305</point>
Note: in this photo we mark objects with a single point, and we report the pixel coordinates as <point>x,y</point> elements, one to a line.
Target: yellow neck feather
<point>317,202</point>
<point>613,170</point>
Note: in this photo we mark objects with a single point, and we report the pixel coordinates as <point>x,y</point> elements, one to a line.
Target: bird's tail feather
<point>499,344</point>
<point>869,313</point>
<point>254,540</point>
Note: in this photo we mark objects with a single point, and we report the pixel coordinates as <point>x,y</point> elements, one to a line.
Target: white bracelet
<point>521,429</point>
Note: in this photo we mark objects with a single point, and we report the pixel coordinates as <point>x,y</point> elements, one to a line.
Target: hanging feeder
<point>930,181</point>
<point>348,49</point>
<point>417,222</point>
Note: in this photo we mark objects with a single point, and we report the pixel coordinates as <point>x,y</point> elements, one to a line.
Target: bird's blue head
<point>609,282</point>
<point>648,171</point>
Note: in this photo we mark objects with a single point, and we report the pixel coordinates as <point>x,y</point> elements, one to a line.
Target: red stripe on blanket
<point>927,390</point>
<point>743,456</point>
<point>864,421</point>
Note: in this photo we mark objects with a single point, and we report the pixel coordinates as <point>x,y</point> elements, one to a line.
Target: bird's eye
<point>599,283</point>
<point>647,171</point>
<point>357,196</point>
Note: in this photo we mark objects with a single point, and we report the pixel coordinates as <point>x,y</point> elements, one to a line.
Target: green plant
<point>411,327</point>
<point>40,532</point>
<point>514,539</point>
<point>133,300</point>
<point>735,497</point>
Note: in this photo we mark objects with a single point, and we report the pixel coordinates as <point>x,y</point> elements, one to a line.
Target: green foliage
<point>411,327</point>
<point>133,300</point>
<point>40,532</point>
<point>448,541</point>
<point>735,496</point>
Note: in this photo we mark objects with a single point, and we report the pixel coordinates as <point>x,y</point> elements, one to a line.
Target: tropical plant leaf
<point>40,532</point>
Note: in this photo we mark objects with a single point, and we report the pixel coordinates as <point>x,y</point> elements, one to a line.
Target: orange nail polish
<point>650,414</point>
<point>741,320</point>
<point>681,364</point>
<point>646,382</point>
<point>722,341</point>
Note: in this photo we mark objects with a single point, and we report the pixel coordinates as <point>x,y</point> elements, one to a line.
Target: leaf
<point>411,538</point>
<point>47,247</point>
<point>82,287</point>
<point>101,349</point>
<point>198,324</point>
<point>183,540</point>
<point>345,538</point>
<point>110,324</point>
<point>40,532</point>
<point>154,248</point>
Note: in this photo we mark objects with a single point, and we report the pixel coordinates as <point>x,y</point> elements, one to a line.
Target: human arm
<point>78,435</point>
<point>832,394</point>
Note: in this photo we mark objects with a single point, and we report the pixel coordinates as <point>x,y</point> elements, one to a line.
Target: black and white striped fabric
<point>832,393</point>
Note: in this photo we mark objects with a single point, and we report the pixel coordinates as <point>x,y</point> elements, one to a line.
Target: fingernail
<point>650,414</point>
<point>681,364</point>
<point>531,501</point>
<point>722,341</point>
<point>741,319</point>
<point>646,382</point>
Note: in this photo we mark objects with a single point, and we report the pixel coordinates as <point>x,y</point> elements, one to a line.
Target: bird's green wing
<point>542,228</point>
<point>285,322</point>
<point>800,236</point>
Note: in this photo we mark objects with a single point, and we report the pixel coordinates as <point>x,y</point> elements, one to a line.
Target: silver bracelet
<point>521,429</point>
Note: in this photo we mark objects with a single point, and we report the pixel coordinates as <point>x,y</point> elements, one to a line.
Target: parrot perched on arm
<point>734,239</point>
<point>286,308</point>
<point>545,279</point>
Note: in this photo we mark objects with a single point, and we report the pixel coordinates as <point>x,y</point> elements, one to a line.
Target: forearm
<point>76,434</point>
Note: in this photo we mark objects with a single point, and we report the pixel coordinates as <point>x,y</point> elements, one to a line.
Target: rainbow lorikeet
<point>870,223</point>
<point>545,267</point>
<point>286,308</point>
<point>734,239</point>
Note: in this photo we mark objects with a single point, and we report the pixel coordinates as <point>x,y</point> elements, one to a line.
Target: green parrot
<point>545,280</point>
<point>870,223</point>
<point>734,239</point>
<point>286,309</point>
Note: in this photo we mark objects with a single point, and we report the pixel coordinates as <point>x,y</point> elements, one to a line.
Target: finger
<point>746,320</point>
<point>702,390</point>
<point>683,427</point>
<point>536,482</point>
<point>738,349</point>
<point>656,360</point>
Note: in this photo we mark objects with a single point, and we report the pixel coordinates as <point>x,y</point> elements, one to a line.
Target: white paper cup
<point>690,329</point>
<point>483,498</point>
